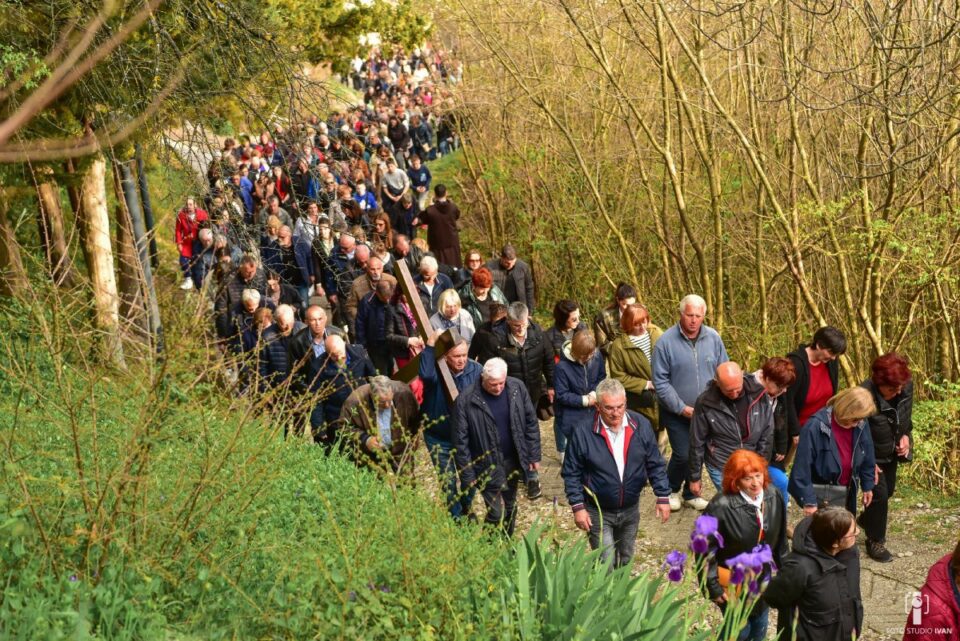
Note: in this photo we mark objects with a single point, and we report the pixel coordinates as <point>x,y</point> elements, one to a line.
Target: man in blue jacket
<point>437,421</point>
<point>684,361</point>
<point>607,464</point>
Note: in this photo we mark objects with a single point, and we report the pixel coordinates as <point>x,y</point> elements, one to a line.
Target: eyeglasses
<point>856,531</point>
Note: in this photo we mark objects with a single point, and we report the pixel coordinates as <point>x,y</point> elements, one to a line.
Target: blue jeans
<point>615,533</point>
<point>717,477</point>
<point>779,478</point>
<point>756,628</point>
<point>678,431</point>
<point>441,453</point>
<point>185,266</point>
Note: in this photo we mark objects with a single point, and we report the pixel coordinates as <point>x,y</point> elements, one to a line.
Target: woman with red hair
<point>892,430</point>
<point>480,294</point>
<point>749,512</point>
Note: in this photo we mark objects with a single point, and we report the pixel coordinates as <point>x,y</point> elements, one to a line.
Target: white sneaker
<point>675,503</point>
<point>187,283</point>
<point>698,503</point>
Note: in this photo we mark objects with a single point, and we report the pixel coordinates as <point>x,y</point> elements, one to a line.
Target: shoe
<point>877,551</point>
<point>533,486</point>
<point>698,503</point>
<point>187,283</point>
<point>675,503</point>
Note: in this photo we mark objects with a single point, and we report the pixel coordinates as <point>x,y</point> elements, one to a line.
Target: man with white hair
<point>608,462</point>
<point>684,362</point>
<point>274,362</point>
<point>431,283</point>
<point>344,369</point>
<point>382,420</point>
<point>496,441</point>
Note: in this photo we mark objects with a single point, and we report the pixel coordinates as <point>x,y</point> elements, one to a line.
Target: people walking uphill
<point>496,439</point>
<point>684,362</point>
<point>608,462</point>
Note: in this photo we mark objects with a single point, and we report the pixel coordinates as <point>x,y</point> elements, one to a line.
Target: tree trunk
<point>13,277</point>
<point>52,234</point>
<point>132,309</point>
<point>94,222</point>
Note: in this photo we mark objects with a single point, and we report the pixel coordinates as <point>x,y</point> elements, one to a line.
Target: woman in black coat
<point>892,431</point>
<point>749,512</point>
<point>819,582</point>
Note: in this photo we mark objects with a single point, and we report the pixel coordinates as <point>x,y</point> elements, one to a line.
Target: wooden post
<point>444,341</point>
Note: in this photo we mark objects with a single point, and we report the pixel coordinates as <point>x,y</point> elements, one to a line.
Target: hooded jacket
<point>572,382</point>
<point>715,429</point>
<point>820,590</point>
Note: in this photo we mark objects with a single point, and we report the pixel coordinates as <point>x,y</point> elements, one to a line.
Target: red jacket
<point>939,612</point>
<point>186,231</point>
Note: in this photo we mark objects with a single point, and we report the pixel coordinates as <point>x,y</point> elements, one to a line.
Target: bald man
<point>733,413</point>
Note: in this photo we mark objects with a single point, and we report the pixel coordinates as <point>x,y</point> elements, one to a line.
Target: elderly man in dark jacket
<point>613,457</point>
<point>438,419</point>
<point>513,276</point>
<point>382,420</point>
<point>497,440</point>
<point>247,276</point>
<point>527,352</point>
<point>274,362</point>
<point>731,414</point>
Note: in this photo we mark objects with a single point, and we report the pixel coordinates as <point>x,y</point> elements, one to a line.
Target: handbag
<point>830,494</point>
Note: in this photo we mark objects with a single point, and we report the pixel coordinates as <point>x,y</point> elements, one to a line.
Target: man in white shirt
<point>606,466</point>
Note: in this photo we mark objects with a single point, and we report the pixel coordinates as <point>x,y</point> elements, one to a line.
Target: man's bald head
<point>285,318</point>
<point>335,347</point>
<point>729,379</point>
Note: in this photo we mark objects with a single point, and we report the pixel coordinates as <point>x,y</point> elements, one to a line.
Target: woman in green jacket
<point>629,360</point>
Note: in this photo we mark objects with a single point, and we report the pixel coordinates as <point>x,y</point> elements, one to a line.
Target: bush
<point>936,441</point>
<point>147,502</point>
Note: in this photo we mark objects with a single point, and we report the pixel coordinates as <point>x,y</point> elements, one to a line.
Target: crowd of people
<point>301,258</point>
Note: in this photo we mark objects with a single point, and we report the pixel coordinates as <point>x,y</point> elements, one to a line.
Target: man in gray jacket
<point>684,361</point>
<point>733,413</point>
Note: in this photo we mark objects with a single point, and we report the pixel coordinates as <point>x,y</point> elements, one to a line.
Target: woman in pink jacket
<point>185,232</point>
<point>934,613</point>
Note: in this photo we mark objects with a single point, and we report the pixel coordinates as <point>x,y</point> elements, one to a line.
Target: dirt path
<point>924,533</point>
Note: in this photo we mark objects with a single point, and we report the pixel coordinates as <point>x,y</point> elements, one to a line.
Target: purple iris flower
<point>705,527</point>
<point>675,561</point>
<point>749,563</point>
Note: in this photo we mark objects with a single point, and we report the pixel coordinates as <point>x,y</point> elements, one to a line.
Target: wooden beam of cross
<point>444,340</point>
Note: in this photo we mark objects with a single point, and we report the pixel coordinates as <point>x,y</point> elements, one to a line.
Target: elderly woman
<point>629,357</point>
<point>575,379</point>
<point>749,511</point>
<point>835,454</point>
<point>566,323</point>
<point>480,295</point>
<point>450,315</point>
<point>891,429</point>
<point>819,581</point>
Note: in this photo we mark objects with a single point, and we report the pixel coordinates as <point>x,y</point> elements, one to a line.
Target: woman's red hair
<point>632,316</point>
<point>890,369</point>
<point>740,464</point>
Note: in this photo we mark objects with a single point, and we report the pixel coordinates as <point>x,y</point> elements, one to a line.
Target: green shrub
<point>936,441</point>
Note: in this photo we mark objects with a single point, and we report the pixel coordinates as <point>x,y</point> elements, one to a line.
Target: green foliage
<point>936,441</point>
<point>25,64</point>
<point>569,594</point>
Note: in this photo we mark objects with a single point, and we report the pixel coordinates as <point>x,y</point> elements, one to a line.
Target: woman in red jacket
<point>934,613</point>
<point>188,224</point>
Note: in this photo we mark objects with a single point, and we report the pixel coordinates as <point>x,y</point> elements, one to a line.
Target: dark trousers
<point>502,502</point>
<point>678,431</point>
<point>615,531</point>
<point>874,518</point>
<point>382,360</point>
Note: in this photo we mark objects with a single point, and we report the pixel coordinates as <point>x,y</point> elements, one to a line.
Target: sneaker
<point>187,283</point>
<point>675,503</point>
<point>877,551</point>
<point>698,503</point>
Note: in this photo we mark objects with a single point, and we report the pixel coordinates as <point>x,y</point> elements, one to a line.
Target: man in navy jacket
<point>607,464</point>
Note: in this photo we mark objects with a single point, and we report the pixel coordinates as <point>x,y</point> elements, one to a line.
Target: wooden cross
<point>444,340</point>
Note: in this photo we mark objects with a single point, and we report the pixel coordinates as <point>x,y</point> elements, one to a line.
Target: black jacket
<point>890,422</point>
<point>231,296</point>
<point>821,590</point>
<point>796,394</point>
<point>737,524</point>
<point>485,343</point>
<point>715,429</point>
<point>303,364</point>
<point>399,330</point>
<point>274,362</point>
<point>475,439</point>
<point>531,363</point>
<point>522,277</point>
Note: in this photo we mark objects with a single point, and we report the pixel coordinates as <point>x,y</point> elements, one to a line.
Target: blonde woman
<point>450,314</point>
